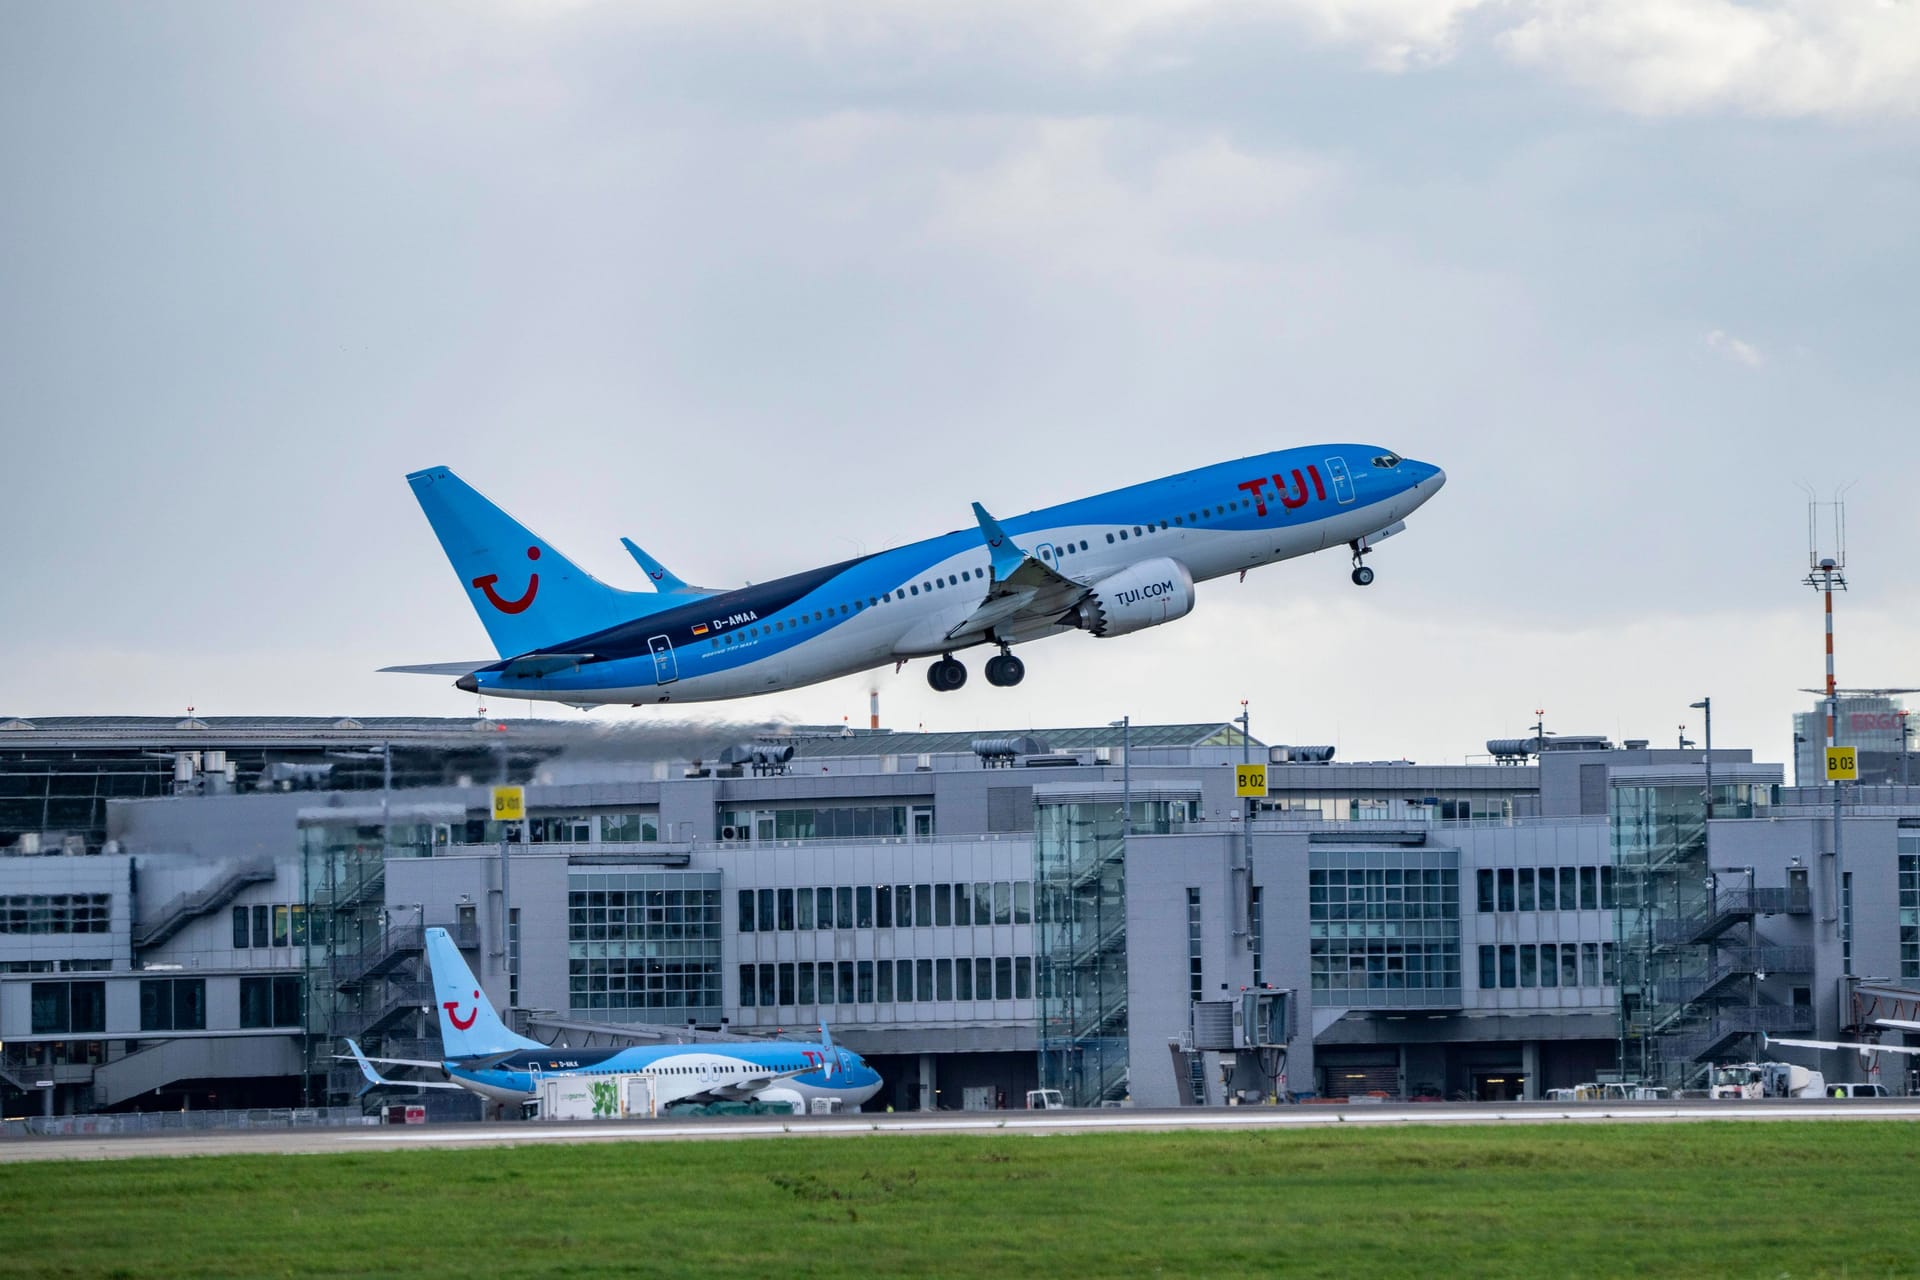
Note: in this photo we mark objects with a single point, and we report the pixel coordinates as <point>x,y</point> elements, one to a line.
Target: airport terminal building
<point>978,915</point>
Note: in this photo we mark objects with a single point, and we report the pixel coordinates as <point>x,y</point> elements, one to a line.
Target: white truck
<point>1766,1080</point>
<point>626,1096</point>
<point>1045,1100</point>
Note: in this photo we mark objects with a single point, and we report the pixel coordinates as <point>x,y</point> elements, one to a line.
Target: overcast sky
<point>765,285</point>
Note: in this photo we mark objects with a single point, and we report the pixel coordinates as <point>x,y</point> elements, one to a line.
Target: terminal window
<point>56,913</point>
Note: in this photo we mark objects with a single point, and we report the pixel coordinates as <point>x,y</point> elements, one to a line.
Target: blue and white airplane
<point>1108,565</point>
<point>484,1057</point>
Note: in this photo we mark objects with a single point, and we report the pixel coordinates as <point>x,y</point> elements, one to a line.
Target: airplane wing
<point>1862,1049</point>
<point>391,1062</point>
<point>377,1081</point>
<point>746,1089</point>
<point>1026,590</point>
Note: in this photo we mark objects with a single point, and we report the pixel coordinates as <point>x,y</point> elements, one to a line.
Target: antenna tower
<point>1825,564</point>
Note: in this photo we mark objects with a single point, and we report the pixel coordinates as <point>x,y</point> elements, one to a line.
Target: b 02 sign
<point>1250,780</point>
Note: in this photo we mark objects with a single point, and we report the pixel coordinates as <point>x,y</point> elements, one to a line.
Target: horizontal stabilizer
<point>441,668</point>
<point>535,665</point>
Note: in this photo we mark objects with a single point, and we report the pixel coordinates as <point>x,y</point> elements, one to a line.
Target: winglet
<point>831,1054</point>
<point>374,1078</point>
<point>657,573</point>
<point>1006,557</point>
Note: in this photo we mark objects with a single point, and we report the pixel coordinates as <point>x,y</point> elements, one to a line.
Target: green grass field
<point>1787,1199</point>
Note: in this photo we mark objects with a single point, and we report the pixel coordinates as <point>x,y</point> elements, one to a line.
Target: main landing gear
<point>1362,576</point>
<point>1003,670</point>
<point>946,675</point>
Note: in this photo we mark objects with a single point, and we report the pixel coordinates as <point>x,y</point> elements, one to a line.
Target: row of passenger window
<point>897,906</point>
<point>1057,552</point>
<point>1192,518</point>
<point>1548,964</point>
<point>1546,889</point>
<point>770,986</point>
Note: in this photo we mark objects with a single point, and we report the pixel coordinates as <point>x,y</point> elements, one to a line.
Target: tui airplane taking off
<point>1108,565</point>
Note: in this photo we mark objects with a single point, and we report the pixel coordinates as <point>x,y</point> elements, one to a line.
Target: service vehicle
<point>1766,1080</point>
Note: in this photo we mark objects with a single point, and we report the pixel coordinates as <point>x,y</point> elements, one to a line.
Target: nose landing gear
<point>1362,576</point>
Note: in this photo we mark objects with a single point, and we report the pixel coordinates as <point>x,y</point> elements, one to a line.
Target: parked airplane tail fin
<point>528,595</point>
<point>469,1027</point>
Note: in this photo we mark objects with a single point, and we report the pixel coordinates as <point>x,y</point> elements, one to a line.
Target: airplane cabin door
<point>666,668</point>
<point>1342,482</point>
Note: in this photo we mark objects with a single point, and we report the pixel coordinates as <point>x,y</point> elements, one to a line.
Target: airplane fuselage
<point>681,1070</point>
<point>917,600</point>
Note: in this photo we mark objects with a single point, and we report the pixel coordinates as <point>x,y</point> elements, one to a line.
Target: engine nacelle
<point>1140,596</point>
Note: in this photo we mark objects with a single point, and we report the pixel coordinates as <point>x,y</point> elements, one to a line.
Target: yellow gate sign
<point>1842,765</point>
<point>1250,780</point>
<point>509,804</point>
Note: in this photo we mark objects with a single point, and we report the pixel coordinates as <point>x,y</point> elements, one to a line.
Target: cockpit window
<point>1387,460</point>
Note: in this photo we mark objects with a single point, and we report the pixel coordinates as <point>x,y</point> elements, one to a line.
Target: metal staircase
<point>1732,1022</point>
<point>1726,909</point>
<point>213,895</point>
<point>1732,965</point>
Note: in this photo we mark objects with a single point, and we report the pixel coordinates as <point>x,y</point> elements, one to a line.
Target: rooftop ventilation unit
<point>1000,753</point>
<point>1300,755</point>
<point>763,758</point>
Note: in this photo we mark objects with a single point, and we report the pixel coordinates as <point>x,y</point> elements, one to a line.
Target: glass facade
<point>1080,861</point>
<point>1384,927</point>
<point>838,822</point>
<point>344,878</point>
<point>644,946</point>
<point>1909,855</point>
<point>1688,947</point>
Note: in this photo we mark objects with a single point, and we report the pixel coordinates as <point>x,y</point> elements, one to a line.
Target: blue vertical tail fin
<point>469,1027</point>
<point>528,595</point>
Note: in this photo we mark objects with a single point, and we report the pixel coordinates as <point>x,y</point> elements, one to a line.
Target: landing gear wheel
<point>1005,671</point>
<point>946,675</point>
<point>1362,576</point>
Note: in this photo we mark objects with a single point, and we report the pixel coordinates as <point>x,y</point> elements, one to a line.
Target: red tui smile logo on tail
<point>453,1013</point>
<point>504,605</point>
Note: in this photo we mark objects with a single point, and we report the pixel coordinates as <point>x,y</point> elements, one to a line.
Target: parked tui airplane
<point>483,1056</point>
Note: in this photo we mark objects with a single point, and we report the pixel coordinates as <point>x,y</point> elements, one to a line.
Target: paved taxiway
<point>346,1140</point>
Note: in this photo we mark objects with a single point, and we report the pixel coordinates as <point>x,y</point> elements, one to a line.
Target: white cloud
<point>1099,194</point>
<point>1785,58</point>
<point>1734,349</point>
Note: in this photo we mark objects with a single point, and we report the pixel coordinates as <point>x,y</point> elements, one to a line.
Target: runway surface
<point>340,1141</point>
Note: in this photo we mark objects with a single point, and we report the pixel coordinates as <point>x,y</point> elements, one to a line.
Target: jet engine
<point>1140,596</point>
